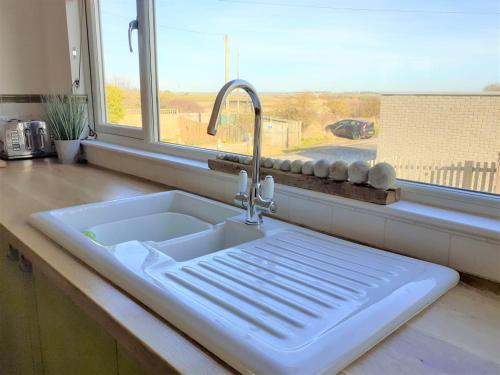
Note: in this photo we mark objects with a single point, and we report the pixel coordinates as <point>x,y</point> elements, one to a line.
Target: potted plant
<point>67,119</point>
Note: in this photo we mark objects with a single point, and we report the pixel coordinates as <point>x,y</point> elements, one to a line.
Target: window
<point>121,70</point>
<point>416,85</point>
<point>121,73</point>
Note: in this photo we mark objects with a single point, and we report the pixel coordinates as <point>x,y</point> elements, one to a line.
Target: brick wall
<point>447,128</point>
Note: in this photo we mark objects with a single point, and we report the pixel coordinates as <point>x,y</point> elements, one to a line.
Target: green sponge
<point>91,235</point>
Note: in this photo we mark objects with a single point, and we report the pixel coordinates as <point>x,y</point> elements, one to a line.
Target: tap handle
<point>242,181</point>
<point>268,188</point>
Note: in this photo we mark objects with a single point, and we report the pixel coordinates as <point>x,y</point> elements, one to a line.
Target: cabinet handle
<point>25,265</point>
<point>13,254</point>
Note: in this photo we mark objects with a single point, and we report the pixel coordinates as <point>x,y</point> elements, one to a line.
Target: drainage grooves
<point>239,279</point>
<point>312,262</point>
<point>330,259</point>
<point>336,246</point>
<point>287,275</point>
<point>286,289</point>
<point>230,307</point>
<point>302,270</point>
<point>268,307</point>
<point>282,285</point>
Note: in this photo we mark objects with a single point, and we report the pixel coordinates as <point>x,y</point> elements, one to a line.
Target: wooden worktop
<point>460,333</point>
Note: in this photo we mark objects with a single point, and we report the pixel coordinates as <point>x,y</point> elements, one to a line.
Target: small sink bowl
<point>92,215</point>
<point>223,236</point>
<point>156,227</point>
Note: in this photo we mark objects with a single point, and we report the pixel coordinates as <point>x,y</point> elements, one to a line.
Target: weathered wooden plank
<point>491,174</point>
<point>467,177</point>
<point>476,175</point>
<point>484,175</point>
<point>497,172</point>
<point>452,170</point>
<point>459,170</point>
<point>439,169</point>
<point>364,193</point>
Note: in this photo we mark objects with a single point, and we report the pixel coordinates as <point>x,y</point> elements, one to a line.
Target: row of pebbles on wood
<point>380,176</point>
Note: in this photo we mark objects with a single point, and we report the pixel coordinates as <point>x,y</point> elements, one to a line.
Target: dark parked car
<point>353,129</point>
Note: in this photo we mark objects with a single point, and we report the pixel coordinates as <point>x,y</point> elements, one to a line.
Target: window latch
<point>133,25</point>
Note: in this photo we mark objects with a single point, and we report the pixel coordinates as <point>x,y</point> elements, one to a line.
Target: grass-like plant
<point>67,116</point>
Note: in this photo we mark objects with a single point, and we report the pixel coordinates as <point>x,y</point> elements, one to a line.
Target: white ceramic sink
<point>272,299</point>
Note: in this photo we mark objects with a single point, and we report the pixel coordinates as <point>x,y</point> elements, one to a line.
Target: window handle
<point>133,25</point>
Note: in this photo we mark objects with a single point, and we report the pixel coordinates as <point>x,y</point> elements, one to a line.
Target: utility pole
<point>226,47</point>
<point>226,67</point>
<point>238,97</point>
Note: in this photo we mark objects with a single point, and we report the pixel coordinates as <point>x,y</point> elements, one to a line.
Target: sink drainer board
<point>291,301</point>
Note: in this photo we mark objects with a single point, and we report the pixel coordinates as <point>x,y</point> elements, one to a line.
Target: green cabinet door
<point>128,365</point>
<point>72,343</point>
<point>43,332</point>
<point>19,339</point>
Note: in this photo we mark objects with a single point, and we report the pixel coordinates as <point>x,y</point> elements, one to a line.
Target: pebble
<point>269,163</point>
<point>338,171</point>
<point>286,166</point>
<point>308,168</point>
<point>242,159</point>
<point>297,166</point>
<point>277,164</point>
<point>322,168</point>
<point>358,172</point>
<point>382,176</point>
<point>232,157</point>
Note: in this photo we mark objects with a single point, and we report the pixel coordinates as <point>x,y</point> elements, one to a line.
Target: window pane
<point>325,72</point>
<point>121,68</point>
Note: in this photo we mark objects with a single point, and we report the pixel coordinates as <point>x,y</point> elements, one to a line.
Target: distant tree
<point>492,87</point>
<point>182,105</point>
<point>299,107</point>
<point>369,106</point>
<point>339,107</point>
<point>115,103</point>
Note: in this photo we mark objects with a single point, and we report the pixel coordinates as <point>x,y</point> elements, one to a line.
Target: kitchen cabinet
<point>128,365</point>
<point>72,343</point>
<point>19,339</point>
<point>42,332</point>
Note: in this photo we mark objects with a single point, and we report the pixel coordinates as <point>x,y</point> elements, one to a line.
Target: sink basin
<point>268,299</point>
<point>90,215</point>
<point>224,236</point>
<point>155,227</point>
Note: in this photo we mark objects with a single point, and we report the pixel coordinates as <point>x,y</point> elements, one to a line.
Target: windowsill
<point>484,227</point>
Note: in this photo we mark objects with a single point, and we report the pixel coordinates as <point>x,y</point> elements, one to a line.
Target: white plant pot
<point>67,150</point>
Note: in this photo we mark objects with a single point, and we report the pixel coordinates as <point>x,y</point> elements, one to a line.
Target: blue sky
<point>315,45</point>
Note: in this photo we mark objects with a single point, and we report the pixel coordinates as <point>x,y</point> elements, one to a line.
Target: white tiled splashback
<point>22,111</point>
<point>416,238</point>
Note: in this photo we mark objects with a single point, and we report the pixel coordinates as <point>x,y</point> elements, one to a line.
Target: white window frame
<point>148,138</point>
<point>146,58</point>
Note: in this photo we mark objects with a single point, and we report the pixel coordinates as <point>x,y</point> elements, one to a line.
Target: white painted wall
<point>34,52</point>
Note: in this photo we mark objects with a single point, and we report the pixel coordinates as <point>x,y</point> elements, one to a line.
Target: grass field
<point>315,110</point>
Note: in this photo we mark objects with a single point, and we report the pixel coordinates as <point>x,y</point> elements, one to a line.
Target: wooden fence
<point>477,176</point>
<point>191,129</point>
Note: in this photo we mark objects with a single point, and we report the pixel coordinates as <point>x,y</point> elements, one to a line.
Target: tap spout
<point>256,204</point>
<point>257,106</point>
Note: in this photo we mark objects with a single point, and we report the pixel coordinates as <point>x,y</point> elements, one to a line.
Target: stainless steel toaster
<point>25,139</point>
